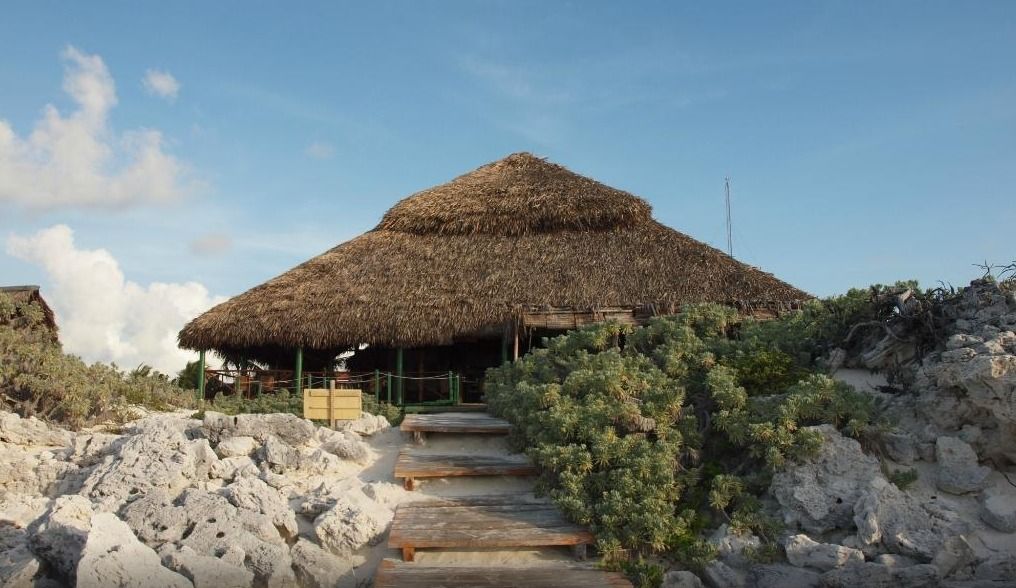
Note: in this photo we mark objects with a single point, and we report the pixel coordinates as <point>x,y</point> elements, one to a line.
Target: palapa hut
<point>24,295</point>
<point>466,274</point>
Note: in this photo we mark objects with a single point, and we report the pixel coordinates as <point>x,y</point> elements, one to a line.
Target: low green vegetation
<point>287,402</point>
<point>391,412</point>
<point>38,379</point>
<point>651,435</point>
<point>903,479</point>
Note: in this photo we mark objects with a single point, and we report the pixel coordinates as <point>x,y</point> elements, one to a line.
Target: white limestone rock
<point>998,509</point>
<point>238,446</point>
<point>367,424</point>
<point>291,429</point>
<point>31,432</point>
<point>804,552</point>
<point>958,471</point>
<point>317,568</point>
<point>997,568</point>
<point>887,517</point>
<point>21,510</point>
<point>159,455</point>
<point>208,572</point>
<point>354,521</point>
<point>783,576</point>
<point>28,471</point>
<point>60,535</point>
<point>253,494</point>
<point>955,558</point>
<point>681,579</point>
<point>819,494</point>
<point>345,444</point>
<point>730,546</point>
<point>114,558</point>
<point>19,567</point>
<point>234,468</point>
<point>719,575</point>
<point>279,455</point>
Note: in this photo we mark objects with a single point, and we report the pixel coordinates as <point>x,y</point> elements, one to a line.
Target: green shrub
<point>903,478</point>
<point>643,574</point>
<point>38,379</point>
<point>677,431</point>
<point>279,401</point>
<point>389,411</point>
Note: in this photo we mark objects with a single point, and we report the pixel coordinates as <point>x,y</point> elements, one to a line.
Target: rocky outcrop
<point>31,432</point>
<point>353,522</point>
<point>180,502</point>
<point>998,509</point>
<point>254,495</point>
<point>804,552</point>
<point>958,470</point>
<point>157,456</point>
<point>317,568</point>
<point>60,536</point>
<point>291,429</point>
<point>819,494</point>
<point>207,572</point>
<point>114,558</point>
<point>888,519</point>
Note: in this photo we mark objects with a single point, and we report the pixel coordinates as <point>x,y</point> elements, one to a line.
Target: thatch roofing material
<point>27,294</point>
<point>460,257</point>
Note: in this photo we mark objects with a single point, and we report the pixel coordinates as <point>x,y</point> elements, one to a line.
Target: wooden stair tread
<point>455,422</point>
<point>465,524</point>
<point>394,574</point>
<point>414,464</point>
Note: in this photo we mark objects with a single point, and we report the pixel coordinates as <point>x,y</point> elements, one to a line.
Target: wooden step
<point>435,408</point>
<point>412,465</point>
<point>394,574</point>
<point>454,422</point>
<point>481,522</point>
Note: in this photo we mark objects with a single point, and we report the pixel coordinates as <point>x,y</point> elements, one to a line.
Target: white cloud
<point>105,317</point>
<point>161,83</point>
<point>211,244</point>
<point>320,150</point>
<point>78,159</point>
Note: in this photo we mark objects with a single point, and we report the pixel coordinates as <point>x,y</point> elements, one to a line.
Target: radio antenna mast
<point>730,239</point>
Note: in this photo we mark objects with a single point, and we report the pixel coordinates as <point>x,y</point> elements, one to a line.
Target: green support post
<point>451,387</point>
<point>458,387</point>
<point>201,375</point>
<point>398,372</point>
<point>377,385</point>
<point>299,371</point>
<point>388,388</point>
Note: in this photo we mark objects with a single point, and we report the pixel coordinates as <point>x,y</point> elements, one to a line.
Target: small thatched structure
<point>517,244</point>
<point>23,295</point>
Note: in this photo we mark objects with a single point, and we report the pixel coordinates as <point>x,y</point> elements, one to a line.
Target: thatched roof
<point>28,294</point>
<point>461,257</point>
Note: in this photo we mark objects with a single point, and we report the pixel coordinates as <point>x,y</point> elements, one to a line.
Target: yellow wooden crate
<point>346,404</point>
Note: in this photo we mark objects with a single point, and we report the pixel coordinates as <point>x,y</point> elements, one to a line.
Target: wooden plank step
<point>482,523</point>
<point>412,465</point>
<point>455,422</point>
<point>464,407</point>
<point>394,574</point>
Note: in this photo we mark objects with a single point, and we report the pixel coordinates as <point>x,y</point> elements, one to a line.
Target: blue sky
<point>865,141</point>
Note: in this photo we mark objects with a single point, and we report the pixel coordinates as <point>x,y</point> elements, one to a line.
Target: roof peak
<point>518,194</point>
